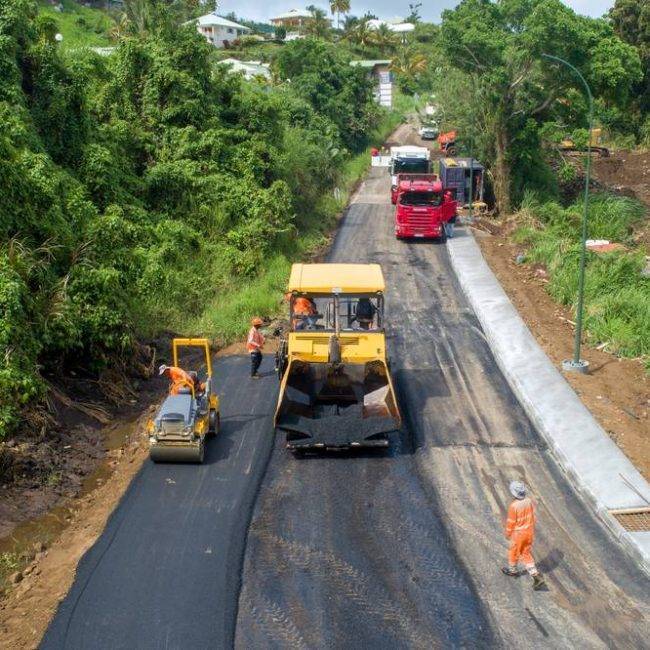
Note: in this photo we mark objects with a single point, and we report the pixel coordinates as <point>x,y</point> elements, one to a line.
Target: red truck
<point>423,207</point>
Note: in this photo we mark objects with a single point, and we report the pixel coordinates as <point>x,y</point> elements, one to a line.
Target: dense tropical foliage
<point>134,187</point>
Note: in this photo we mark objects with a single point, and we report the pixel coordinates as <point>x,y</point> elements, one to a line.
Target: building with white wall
<point>220,31</point>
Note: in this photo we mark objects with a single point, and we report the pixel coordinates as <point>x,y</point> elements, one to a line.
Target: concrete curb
<point>565,423</point>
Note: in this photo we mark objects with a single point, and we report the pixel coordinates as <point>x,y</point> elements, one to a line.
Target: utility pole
<point>577,364</point>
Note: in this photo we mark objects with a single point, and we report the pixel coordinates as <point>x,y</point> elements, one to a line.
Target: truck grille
<point>421,222</point>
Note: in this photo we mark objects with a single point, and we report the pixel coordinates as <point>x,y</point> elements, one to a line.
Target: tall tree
<point>385,38</point>
<point>318,25</point>
<point>631,21</point>
<point>339,7</point>
<point>499,45</point>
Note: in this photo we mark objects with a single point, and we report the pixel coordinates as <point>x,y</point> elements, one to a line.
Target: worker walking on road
<point>520,530</point>
<point>254,345</point>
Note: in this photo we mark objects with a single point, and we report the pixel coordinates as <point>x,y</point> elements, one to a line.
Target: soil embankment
<point>617,390</point>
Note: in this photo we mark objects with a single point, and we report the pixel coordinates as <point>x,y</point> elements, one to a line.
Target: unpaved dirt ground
<point>27,608</point>
<point>627,172</point>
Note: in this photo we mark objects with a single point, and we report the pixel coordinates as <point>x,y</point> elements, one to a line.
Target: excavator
<point>595,144</point>
<point>336,390</point>
<point>185,419</point>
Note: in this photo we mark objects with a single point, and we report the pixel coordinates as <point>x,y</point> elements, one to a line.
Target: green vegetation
<point>229,313</point>
<point>617,295</point>
<point>144,187</point>
<point>80,26</point>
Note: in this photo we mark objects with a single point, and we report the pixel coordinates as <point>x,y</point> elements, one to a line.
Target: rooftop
<point>210,20</point>
<point>370,63</point>
<point>293,13</point>
<point>336,278</point>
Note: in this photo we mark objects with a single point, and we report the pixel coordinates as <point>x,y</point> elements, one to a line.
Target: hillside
<point>80,26</point>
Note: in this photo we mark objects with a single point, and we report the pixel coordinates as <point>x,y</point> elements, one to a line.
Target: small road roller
<point>186,418</point>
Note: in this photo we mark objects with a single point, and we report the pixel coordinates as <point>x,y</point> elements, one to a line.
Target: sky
<point>430,10</point>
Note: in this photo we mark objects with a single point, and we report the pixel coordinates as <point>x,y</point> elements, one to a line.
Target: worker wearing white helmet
<point>520,530</point>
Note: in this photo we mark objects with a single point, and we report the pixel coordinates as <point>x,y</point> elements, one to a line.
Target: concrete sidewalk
<point>596,467</point>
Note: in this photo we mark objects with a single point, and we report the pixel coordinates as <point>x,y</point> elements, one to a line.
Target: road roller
<point>185,419</point>
<point>336,390</point>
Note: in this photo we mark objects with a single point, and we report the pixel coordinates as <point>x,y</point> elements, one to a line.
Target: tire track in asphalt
<point>424,523</point>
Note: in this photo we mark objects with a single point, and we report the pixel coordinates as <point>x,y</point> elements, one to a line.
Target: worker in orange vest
<point>520,530</point>
<point>305,307</point>
<point>178,378</point>
<point>254,345</point>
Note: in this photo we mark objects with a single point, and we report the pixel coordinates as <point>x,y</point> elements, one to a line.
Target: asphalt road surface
<point>398,549</point>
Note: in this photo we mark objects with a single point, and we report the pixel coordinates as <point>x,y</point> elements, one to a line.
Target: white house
<point>396,25</point>
<point>220,31</point>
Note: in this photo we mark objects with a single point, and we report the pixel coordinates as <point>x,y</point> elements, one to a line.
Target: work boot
<point>510,571</point>
<point>538,581</point>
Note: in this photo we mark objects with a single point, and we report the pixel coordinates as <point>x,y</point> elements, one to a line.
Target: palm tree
<point>319,25</point>
<point>384,38</point>
<point>361,35</point>
<point>339,7</point>
<point>408,64</point>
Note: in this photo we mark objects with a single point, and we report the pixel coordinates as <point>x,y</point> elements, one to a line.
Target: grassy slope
<point>617,295</point>
<point>228,315</point>
<point>80,26</point>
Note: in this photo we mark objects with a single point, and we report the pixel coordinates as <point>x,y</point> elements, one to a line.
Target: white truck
<point>408,159</point>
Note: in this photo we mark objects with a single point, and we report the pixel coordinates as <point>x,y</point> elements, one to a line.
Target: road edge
<point>549,401</point>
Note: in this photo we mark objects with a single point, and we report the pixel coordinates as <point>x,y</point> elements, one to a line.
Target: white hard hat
<point>162,369</point>
<point>517,489</point>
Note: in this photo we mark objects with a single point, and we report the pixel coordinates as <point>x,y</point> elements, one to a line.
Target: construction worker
<point>306,308</point>
<point>254,345</point>
<point>520,530</point>
<point>178,378</point>
<point>365,313</point>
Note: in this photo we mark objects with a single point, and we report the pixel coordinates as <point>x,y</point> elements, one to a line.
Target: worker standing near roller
<point>178,378</point>
<point>254,345</point>
<point>520,530</point>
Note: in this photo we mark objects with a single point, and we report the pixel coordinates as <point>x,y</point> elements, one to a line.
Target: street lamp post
<point>577,364</point>
<point>470,216</point>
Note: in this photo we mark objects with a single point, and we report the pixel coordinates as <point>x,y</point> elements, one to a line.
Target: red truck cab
<point>423,208</point>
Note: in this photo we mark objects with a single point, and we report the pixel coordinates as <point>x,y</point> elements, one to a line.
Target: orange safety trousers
<point>521,545</point>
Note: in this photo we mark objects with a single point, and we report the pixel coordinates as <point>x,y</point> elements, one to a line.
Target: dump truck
<point>336,390</point>
<point>407,160</point>
<point>186,418</point>
<point>423,207</point>
<point>455,176</point>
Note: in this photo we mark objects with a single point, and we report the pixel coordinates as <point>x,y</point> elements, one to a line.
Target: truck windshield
<point>411,166</point>
<point>421,198</point>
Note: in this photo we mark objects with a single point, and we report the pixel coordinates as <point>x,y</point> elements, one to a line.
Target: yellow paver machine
<point>189,414</point>
<point>336,390</point>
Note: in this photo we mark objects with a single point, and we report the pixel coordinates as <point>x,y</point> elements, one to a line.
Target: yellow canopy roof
<point>336,278</point>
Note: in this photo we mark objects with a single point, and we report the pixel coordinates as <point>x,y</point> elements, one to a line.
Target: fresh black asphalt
<point>402,549</point>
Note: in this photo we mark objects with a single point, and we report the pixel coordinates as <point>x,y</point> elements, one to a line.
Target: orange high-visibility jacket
<point>255,340</point>
<point>179,379</point>
<point>521,518</point>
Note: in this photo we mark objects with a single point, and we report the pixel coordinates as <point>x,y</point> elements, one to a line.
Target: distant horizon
<point>430,12</point>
